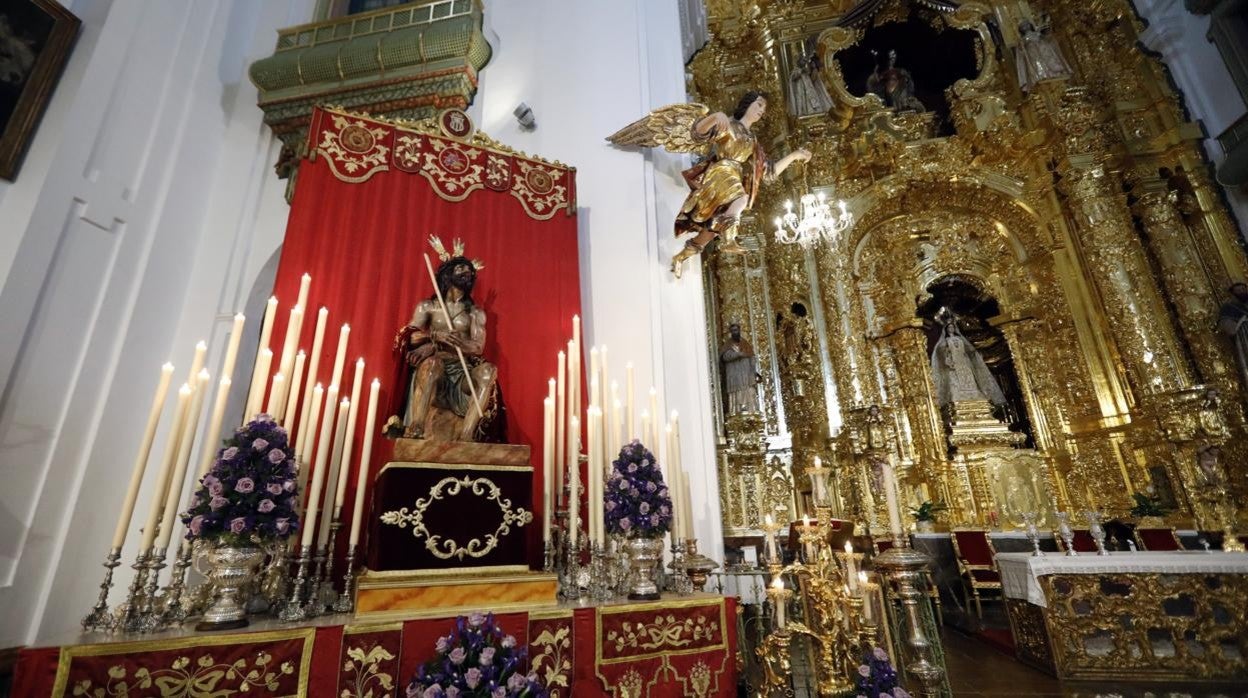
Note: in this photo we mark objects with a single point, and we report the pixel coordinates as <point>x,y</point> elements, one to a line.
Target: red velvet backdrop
<point>362,243</point>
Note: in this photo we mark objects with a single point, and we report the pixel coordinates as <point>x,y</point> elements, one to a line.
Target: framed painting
<point>35,40</point>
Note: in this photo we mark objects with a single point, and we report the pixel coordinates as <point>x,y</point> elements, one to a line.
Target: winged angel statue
<point>726,179</point>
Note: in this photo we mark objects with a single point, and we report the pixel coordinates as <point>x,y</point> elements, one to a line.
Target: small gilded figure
<point>725,182</point>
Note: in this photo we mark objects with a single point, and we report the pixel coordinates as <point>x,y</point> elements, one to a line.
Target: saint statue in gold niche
<point>1038,57</point>
<point>740,373</point>
<point>452,391</point>
<point>958,371</point>
<point>895,86</point>
<point>725,182</point>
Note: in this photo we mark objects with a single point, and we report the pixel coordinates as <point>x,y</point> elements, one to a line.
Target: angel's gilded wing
<point>670,128</point>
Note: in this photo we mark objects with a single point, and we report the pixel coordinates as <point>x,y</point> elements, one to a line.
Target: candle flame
<point>201,346</point>
<point>202,376</point>
<point>376,383</point>
<point>185,390</point>
<point>167,367</point>
<point>777,583</point>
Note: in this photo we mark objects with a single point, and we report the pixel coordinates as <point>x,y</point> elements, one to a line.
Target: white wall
<point>145,209</point>
<point>147,213</point>
<point>1198,70</point>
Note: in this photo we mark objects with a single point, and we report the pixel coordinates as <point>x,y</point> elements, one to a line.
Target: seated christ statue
<point>453,392</point>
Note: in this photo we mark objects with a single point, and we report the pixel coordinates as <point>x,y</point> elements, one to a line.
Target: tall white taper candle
<point>366,459</point>
<point>548,464</point>
<point>293,388</point>
<point>630,406</point>
<point>166,468</point>
<point>331,478</point>
<point>185,444</point>
<point>305,443</point>
<point>305,460</point>
<point>318,471</point>
<point>140,460</point>
<point>213,438</point>
<point>340,356</point>
<point>349,447</point>
<point>259,382</point>
<point>561,425</point>
<point>574,480</point>
<point>231,349</point>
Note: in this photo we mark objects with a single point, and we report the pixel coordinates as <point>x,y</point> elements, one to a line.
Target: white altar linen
<point>1021,572</point>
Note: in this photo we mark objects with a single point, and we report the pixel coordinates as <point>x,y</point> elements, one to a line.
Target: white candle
<point>807,546</point>
<point>231,349</point>
<point>645,429</point>
<point>331,478</point>
<point>671,475</point>
<point>656,416</point>
<point>214,427</point>
<point>593,473</point>
<point>259,381</point>
<point>778,601</point>
<point>595,399</point>
<point>273,409</point>
<point>366,458</point>
<point>304,459</point>
<point>868,599</point>
<point>769,538</point>
<point>140,460</point>
<point>289,344</point>
<point>574,382</point>
<point>574,479</point>
<point>851,572</point>
<point>548,463</point>
<point>314,361</point>
<point>201,351</point>
<point>318,470</point>
<point>630,406</point>
<point>617,426</point>
<point>613,418</point>
<point>266,325</point>
<point>293,386</point>
<point>817,482</point>
<point>890,494</point>
<point>178,479</point>
<point>341,356</point>
<point>305,282</point>
<point>561,438</point>
<point>348,449</point>
<point>166,468</point>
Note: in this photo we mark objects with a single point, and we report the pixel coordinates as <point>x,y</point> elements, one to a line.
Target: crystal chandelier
<point>814,221</point>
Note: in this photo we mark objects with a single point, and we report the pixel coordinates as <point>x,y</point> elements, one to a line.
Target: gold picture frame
<point>36,37</point>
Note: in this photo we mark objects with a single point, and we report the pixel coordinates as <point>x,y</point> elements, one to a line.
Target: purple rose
<point>509,642</point>
<point>217,503</point>
<point>625,524</point>
<point>476,619</point>
<point>289,485</point>
<point>665,510</point>
<point>259,444</point>
<point>900,692</point>
<point>216,488</point>
<point>632,467</point>
<point>654,520</point>
<point>650,487</point>
<point>487,656</point>
<point>610,504</point>
<point>238,525</point>
<point>413,690</point>
<point>197,525</point>
<point>623,485</point>
<point>634,493</point>
<point>264,418</point>
<point>880,654</point>
<point>644,508</point>
<point>274,488</point>
<point>244,485</point>
<point>516,683</point>
<point>230,453</point>
<point>210,479</point>
<point>457,656</point>
<point>276,456</point>
<point>265,506</point>
<point>442,645</point>
<point>864,670</point>
<point>282,525</point>
<point>434,691</point>
<point>663,493</point>
<point>498,692</point>
<point>452,692</point>
<point>472,677</point>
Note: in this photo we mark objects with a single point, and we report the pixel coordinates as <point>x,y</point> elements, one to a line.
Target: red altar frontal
<point>674,647</point>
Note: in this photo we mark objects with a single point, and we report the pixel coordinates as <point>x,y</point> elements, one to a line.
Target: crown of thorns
<point>457,250</point>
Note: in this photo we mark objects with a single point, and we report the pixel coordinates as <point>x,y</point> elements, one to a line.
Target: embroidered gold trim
<point>446,548</point>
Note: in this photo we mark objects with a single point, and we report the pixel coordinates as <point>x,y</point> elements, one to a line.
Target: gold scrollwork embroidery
<point>552,665</point>
<point>445,549</point>
<point>206,679</point>
<point>700,679</point>
<point>665,631</point>
<point>368,673</point>
<point>354,150</point>
<point>538,189</point>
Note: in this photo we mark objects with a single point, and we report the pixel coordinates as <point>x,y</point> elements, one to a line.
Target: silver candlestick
<point>150,619</point>
<point>548,556</point>
<point>678,581</point>
<point>294,610</point>
<point>99,618</point>
<point>176,609</point>
<point>600,581</point>
<point>1033,533</point>
<point>327,593</point>
<point>1097,530</point>
<point>128,613</point>
<point>313,606</point>
<point>1068,536</point>
<point>346,600</point>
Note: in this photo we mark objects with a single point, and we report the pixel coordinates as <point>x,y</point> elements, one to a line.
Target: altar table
<point>1130,616</point>
<point>678,646</point>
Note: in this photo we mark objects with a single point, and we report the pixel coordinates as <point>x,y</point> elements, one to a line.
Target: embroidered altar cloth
<point>1021,572</point>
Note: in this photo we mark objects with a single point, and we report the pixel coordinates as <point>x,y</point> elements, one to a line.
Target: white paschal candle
<point>323,448</point>
<point>630,406</point>
<point>548,464</point>
<point>273,409</point>
<point>185,443</point>
<point>340,357</point>
<point>231,349</point>
<point>349,447</point>
<point>166,468</point>
<point>561,425</point>
<point>366,459</point>
<point>259,381</point>
<point>293,387</point>
<point>331,478</point>
<point>574,479</point>
<point>890,495</point>
<point>140,460</point>
<point>314,362</point>
<point>213,438</point>
<point>318,397</point>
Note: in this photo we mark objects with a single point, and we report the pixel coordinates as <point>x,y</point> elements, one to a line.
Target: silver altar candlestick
<point>1064,530</point>
<point>905,568</point>
<point>150,619</point>
<point>128,613</point>
<point>600,581</point>
<point>346,600</point>
<point>276,579</point>
<point>99,618</point>
<point>678,581</point>
<point>1097,531</point>
<point>294,610</point>
<point>327,594</point>
<point>177,610</point>
<point>548,555</point>
<point>698,567</point>
<point>313,606</point>
<point>1033,533</point>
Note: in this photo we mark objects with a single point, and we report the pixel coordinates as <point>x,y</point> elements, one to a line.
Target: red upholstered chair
<point>976,562</point>
<point>1157,539</point>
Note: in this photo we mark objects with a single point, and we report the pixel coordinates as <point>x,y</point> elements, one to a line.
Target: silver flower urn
<point>230,570</point>
<point>644,555</point>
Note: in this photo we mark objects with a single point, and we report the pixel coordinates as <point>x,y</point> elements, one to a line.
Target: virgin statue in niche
<point>958,371</point>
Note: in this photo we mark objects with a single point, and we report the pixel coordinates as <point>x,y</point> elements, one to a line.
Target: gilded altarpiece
<point>1068,214</point>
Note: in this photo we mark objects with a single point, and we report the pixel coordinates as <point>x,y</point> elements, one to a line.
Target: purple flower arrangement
<point>877,678</point>
<point>477,660</point>
<point>250,494</point>
<point>638,504</point>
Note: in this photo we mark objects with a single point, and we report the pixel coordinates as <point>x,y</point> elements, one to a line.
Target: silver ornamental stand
<point>99,617</point>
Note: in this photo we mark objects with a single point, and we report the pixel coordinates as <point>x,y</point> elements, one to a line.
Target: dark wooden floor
<point>976,669</point>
